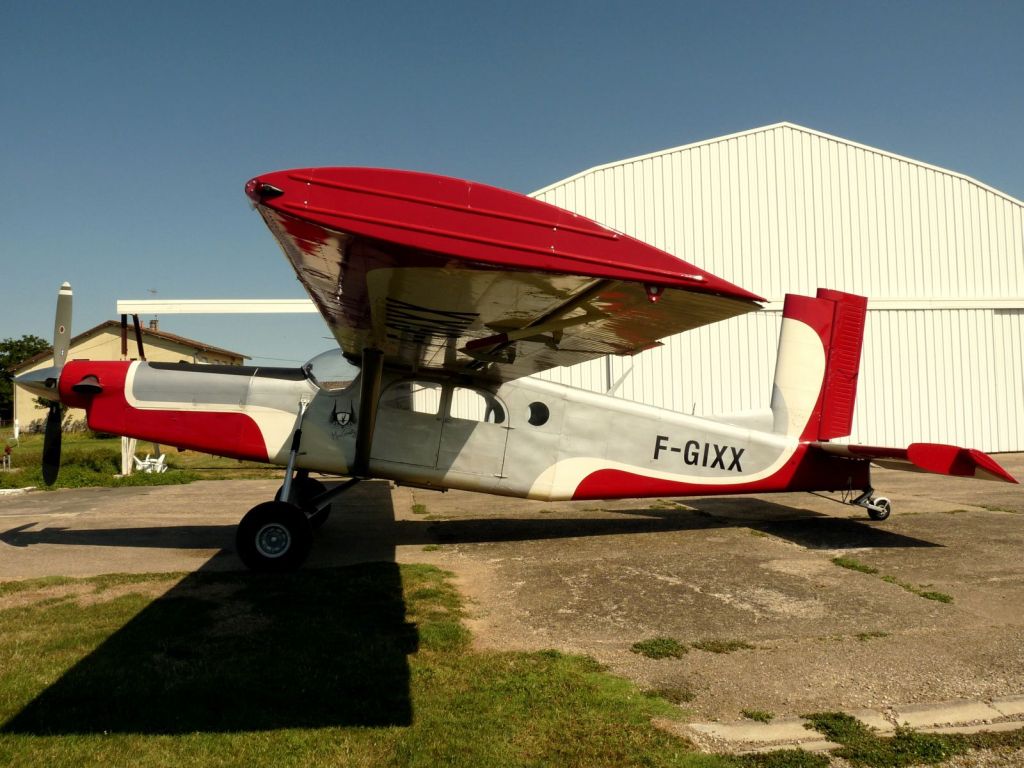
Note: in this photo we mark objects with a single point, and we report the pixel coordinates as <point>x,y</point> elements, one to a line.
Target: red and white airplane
<point>448,294</point>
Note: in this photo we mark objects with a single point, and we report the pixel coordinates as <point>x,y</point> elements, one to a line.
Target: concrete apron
<point>1005,713</point>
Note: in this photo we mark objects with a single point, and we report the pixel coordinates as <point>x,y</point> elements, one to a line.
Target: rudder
<point>839,392</point>
<point>818,364</point>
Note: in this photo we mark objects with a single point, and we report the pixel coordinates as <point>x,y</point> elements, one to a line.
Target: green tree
<point>12,353</point>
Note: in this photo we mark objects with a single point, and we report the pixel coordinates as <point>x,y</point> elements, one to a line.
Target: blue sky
<point>128,129</point>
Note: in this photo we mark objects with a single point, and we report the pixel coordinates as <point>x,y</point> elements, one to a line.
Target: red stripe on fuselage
<point>235,435</point>
<point>807,470</point>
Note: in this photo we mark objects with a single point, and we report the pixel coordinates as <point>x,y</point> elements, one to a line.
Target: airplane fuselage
<point>524,438</point>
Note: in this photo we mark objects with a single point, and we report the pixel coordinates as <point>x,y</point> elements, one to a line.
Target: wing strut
<point>369,394</point>
<point>486,349</point>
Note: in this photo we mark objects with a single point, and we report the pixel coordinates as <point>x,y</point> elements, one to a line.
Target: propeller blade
<point>62,326</point>
<point>51,445</point>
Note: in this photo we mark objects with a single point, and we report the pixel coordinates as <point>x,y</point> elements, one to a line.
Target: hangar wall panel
<point>786,209</point>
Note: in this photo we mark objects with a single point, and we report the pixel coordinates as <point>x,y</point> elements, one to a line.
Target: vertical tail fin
<point>839,393</point>
<point>818,364</point>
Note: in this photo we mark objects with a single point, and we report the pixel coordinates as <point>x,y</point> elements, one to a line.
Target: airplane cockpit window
<point>476,405</point>
<point>416,396</point>
<point>330,370</point>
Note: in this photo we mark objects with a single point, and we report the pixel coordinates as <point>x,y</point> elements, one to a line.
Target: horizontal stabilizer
<point>936,458</point>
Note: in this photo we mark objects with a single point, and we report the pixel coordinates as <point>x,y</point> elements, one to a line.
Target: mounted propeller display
<point>44,383</point>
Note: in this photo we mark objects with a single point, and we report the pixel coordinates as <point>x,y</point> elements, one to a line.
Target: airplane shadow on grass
<point>237,651</point>
<point>227,650</point>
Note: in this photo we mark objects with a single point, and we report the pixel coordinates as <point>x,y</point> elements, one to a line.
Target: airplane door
<point>474,434</point>
<point>408,429</point>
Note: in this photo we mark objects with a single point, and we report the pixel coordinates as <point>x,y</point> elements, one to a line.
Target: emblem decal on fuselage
<point>345,418</point>
<point>699,454</point>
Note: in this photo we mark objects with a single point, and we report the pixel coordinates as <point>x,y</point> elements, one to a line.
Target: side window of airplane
<point>330,371</point>
<point>415,396</point>
<point>476,405</point>
<point>539,414</point>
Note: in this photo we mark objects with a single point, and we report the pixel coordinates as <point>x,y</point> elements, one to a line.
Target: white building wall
<point>786,209</point>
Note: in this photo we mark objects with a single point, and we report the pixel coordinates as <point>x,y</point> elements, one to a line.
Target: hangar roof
<point>765,129</point>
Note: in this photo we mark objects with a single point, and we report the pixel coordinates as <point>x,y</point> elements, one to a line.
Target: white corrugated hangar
<point>786,209</point>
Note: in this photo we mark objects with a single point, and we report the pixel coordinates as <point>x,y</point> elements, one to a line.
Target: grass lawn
<point>364,665</point>
<point>93,461</point>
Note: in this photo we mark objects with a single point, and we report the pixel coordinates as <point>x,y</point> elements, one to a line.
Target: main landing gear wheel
<point>879,509</point>
<point>304,490</point>
<point>274,537</point>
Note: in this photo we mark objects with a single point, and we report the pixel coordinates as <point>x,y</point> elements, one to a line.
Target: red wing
<point>936,458</point>
<point>445,274</point>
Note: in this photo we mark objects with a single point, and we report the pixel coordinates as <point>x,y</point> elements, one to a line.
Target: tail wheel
<point>274,537</point>
<point>880,509</point>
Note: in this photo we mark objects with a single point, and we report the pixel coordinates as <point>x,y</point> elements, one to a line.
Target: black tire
<point>304,490</point>
<point>274,537</point>
<point>882,511</point>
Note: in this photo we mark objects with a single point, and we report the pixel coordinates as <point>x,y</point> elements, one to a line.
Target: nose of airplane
<point>42,382</point>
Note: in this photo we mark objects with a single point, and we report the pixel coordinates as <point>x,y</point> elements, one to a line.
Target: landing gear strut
<point>278,535</point>
<point>878,507</point>
<point>304,492</point>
